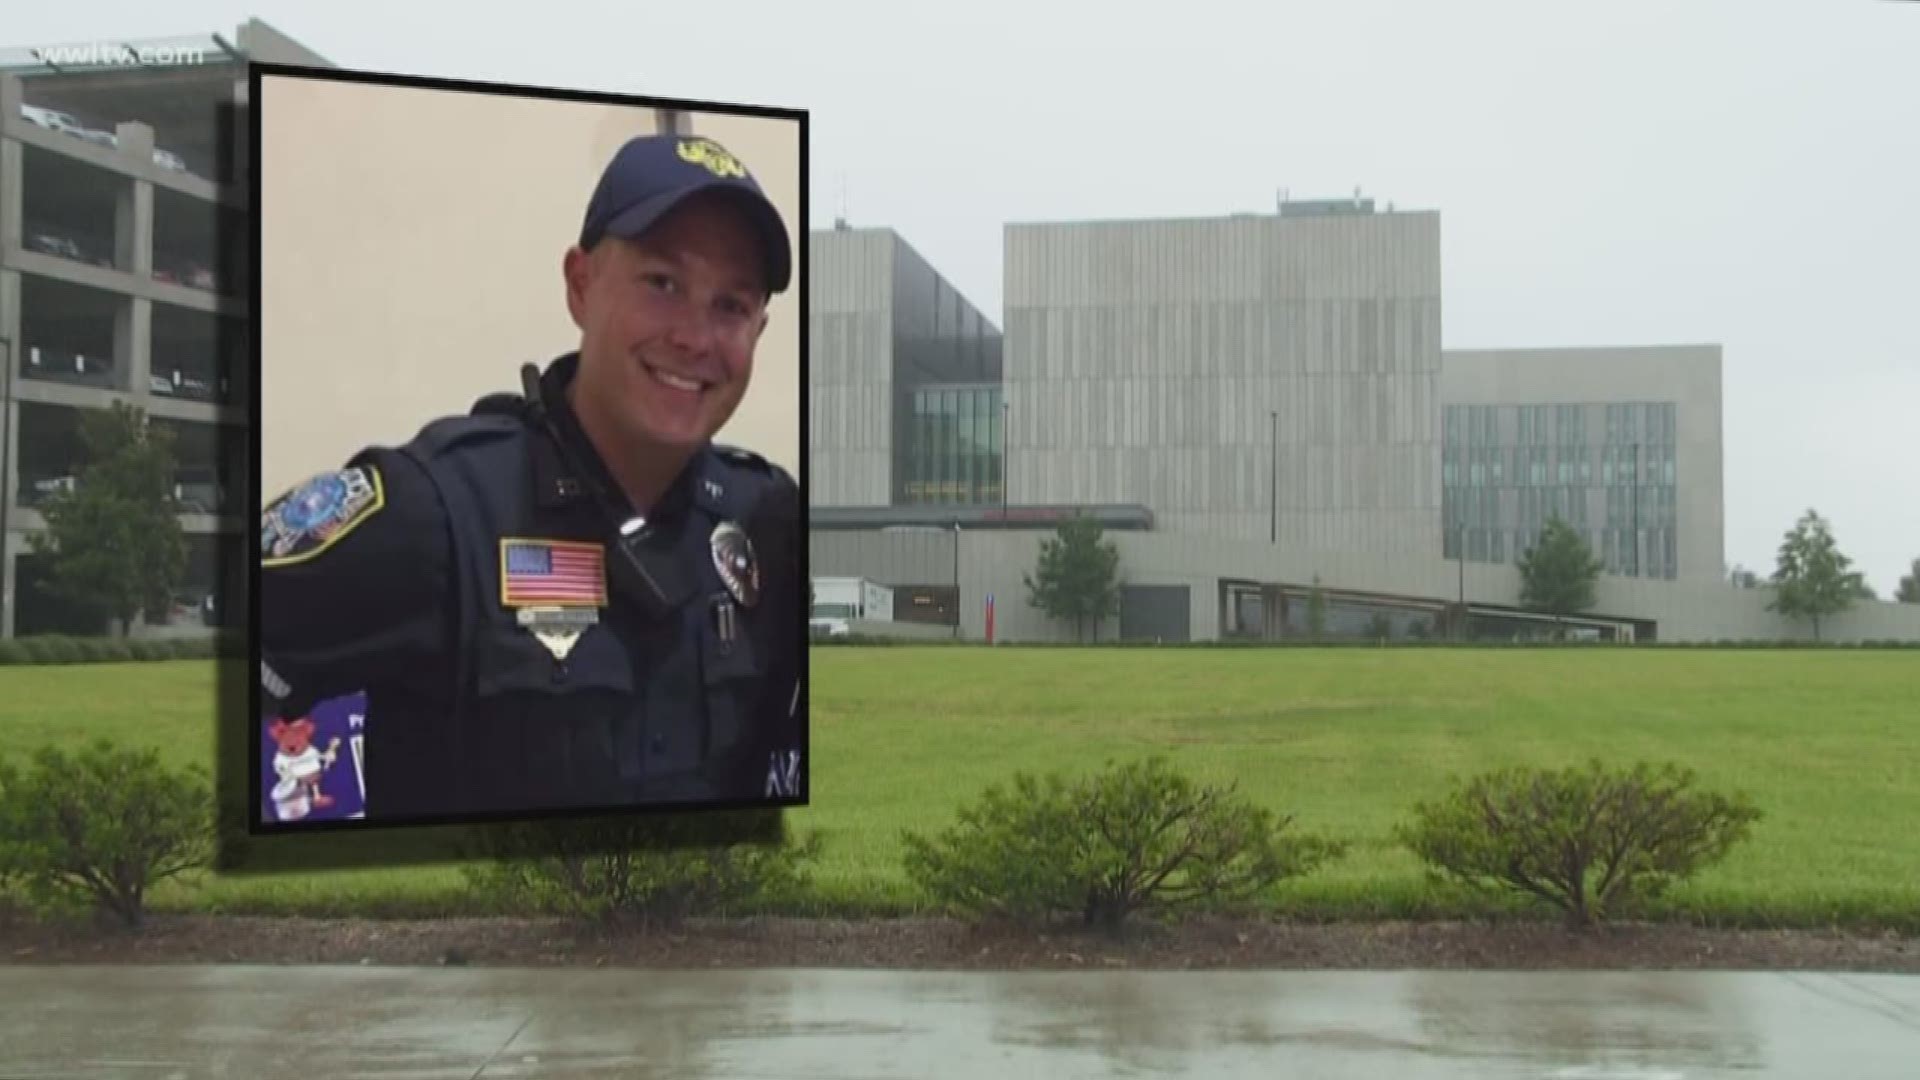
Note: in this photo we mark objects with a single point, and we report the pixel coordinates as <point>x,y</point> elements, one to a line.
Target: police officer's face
<point>669,322</point>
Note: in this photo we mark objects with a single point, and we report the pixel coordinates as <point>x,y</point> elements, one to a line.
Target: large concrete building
<point>1256,406</point>
<point>123,279</point>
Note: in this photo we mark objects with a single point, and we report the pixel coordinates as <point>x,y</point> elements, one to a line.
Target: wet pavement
<point>183,1023</point>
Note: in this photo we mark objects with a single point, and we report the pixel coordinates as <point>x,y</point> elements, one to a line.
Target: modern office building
<point>1259,408</point>
<point>123,243</point>
<point>904,381</point>
<point>1622,444</point>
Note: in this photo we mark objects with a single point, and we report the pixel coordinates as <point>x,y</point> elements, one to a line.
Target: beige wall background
<point>411,243</point>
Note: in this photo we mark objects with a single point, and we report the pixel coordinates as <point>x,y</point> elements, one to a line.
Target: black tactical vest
<point>667,709</point>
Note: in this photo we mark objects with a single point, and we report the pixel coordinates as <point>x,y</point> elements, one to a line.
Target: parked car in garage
<point>55,244</point>
<point>65,365</point>
<point>66,247</point>
<point>38,491</point>
<point>51,119</point>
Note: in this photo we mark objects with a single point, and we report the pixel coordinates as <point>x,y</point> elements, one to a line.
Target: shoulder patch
<point>306,521</point>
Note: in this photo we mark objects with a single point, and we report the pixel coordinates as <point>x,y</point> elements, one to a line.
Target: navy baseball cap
<point>652,174</point>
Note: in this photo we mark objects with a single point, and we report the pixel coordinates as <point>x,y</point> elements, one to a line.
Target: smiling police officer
<point>570,596</point>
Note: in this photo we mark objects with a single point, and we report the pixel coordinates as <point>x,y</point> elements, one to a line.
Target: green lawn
<point>1827,743</point>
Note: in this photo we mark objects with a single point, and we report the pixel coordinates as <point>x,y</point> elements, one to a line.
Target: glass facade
<point>948,412</point>
<point>1607,470</point>
<point>953,443</point>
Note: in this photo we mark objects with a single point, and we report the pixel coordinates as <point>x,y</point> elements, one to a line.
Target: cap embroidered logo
<point>714,157</point>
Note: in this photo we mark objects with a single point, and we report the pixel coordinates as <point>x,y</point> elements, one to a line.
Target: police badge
<point>733,558</point>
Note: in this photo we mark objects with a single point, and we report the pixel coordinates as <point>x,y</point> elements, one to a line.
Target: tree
<point>1380,628</point>
<point>1813,581</point>
<point>114,543</point>
<point>1077,577</point>
<point>1909,590</point>
<point>1558,572</point>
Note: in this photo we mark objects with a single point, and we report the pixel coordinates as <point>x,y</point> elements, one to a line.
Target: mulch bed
<point>943,945</point>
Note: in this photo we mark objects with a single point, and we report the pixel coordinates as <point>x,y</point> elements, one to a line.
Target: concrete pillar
<point>9,430</point>
<point>133,347</point>
<point>12,173</point>
<point>11,544</point>
<point>133,224</point>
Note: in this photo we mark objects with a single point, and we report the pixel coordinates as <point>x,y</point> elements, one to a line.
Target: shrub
<point>196,648</point>
<point>635,869</point>
<point>58,649</point>
<point>1585,840</point>
<point>12,651</point>
<point>102,825</point>
<point>1138,837</point>
<point>145,649</point>
<point>100,650</point>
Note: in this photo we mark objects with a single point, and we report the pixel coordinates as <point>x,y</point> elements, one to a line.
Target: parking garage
<point>207,462</point>
<point>72,333</point>
<point>75,210</point>
<point>187,242</point>
<point>185,106</point>
<point>192,355</point>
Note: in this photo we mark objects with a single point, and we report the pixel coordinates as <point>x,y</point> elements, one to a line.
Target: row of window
<point>1652,423</point>
<point>953,446</point>
<point>1533,507</point>
<point>1657,555</point>
<point>1541,466</point>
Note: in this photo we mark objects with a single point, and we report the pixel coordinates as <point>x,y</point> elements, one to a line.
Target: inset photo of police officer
<point>530,393</point>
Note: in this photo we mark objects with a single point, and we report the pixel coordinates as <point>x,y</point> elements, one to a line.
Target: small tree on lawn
<point>114,543</point>
<point>1557,574</point>
<point>1814,580</point>
<point>1077,577</point>
<point>1909,590</point>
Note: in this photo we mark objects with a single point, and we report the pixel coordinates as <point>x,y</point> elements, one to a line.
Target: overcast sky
<point>1739,172</point>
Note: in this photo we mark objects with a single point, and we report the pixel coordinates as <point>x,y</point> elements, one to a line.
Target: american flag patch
<point>552,573</point>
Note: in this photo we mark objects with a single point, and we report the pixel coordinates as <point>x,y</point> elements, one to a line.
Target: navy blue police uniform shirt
<point>411,575</point>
